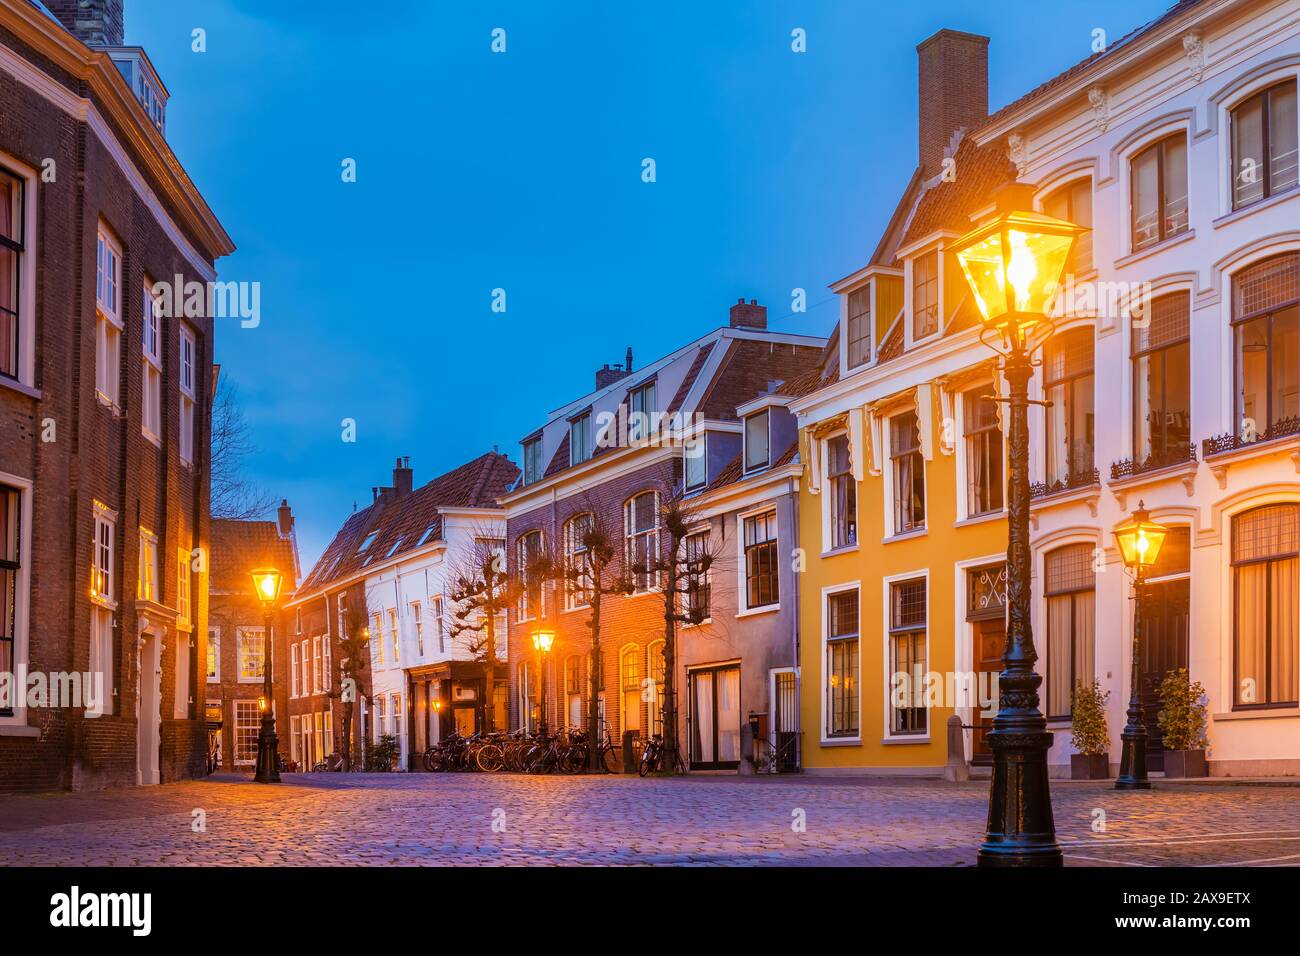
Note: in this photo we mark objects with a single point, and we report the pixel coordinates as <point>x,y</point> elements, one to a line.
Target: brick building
<point>104,409</point>
<point>609,458</point>
<point>388,570</point>
<point>237,632</point>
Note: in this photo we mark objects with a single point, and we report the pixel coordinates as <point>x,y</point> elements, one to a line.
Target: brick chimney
<point>93,22</point>
<point>284,518</point>
<point>748,315</point>
<point>952,91</point>
<point>403,477</point>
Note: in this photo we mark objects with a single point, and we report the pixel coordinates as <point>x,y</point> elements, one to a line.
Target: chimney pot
<point>748,315</point>
<point>403,477</point>
<point>284,518</point>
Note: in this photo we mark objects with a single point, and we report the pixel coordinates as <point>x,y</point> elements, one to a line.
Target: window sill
<point>21,388</point>
<point>905,536</point>
<point>703,623</point>
<point>1187,235</point>
<point>980,519</point>
<point>903,741</point>
<point>756,611</point>
<point>841,741</point>
<point>1258,205</point>
<point>843,549</point>
<point>151,438</point>
<point>1263,713</point>
<point>108,403</point>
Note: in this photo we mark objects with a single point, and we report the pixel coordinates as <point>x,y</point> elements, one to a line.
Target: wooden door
<point>990,637</point>
<point>1164,649</point>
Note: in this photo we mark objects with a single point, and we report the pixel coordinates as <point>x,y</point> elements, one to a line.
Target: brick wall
<point>97,454</point>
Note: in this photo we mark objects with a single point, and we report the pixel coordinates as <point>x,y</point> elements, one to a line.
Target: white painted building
<point>1178,147</point>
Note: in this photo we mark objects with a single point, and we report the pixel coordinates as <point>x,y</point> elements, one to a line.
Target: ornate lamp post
<point>1139,540</point>
<point>267,583</point>
<point>543,638</point>
<point>1013,264</point>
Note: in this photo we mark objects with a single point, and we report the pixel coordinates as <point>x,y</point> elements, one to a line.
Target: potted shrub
<point>1182,721</point>
<point>1089,733</point>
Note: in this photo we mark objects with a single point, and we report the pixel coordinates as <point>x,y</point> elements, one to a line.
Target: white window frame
<point>745,466</point>
<point>869,287</point>
<point>188,393</point>
<point>377,638</point>
<point>109,322</point>
<point>184,591</point>
<point>828,503</point>
<point>436,609</point>
<point>574,551</point>
<point>1227,101</point>
<point>395,627</point>
<point>706,531</point>
<point>151,368</point>
<point>214,647</point>
<point>294,671</point>
<point>23,590</point>
<point>909,293</point>
<point>315,665</point>
<point>417,623</point>
<point>629,536</point>
<point>886,647</point>
<point>524,612</point>
<point>696,448</point>
<point>743,608</point>
<point>887,461</point>
<point>962,463</point>
<point>257,721</point>
<point>1124,166</point>
<point>147,568</point>
<point>26,369</point>
<point>581,425</point>
<point>103,560</point>
<point>826,739</point>
<point>241,633</point>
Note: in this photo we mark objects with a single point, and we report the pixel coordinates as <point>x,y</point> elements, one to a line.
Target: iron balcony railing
<point>1228,441</point>
<point>1179,453</point>
<point>1082,478</point>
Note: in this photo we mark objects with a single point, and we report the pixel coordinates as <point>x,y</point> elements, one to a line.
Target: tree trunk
<point>594,737</point>
<point>490,663</point>
<point>670,663</point>
<point>347,736</point>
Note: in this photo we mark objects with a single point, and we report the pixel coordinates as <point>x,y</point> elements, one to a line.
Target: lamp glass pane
<point>982,264</point>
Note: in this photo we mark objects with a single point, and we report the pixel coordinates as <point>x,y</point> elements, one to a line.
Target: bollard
<point>629,752</point>
<point>956,769</point>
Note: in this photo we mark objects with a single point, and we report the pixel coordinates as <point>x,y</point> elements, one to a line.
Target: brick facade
<point>62,449</point>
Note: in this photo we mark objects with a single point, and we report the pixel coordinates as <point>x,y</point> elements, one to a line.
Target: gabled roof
<point>240,546</point>
<point>400,523</point>
<point>948,204</point>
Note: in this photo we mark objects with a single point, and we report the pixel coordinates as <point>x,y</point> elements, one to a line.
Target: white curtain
<point>1286,589</point>
<point>729,714</point>
<point>703,717</point>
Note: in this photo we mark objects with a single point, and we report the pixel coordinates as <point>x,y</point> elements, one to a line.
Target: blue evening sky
<point>522,171</point>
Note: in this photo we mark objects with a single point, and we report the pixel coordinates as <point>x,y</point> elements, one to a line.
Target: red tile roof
<point>240,546</point>
<point>402,523</point>
<point>749,369</point>
<point>979,170</point>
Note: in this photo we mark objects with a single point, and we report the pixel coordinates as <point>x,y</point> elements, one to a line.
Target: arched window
<point>1068,385</point>
<point>630,685</point>
<point>655,667</point>
<point>1264,144</point>
<point>527,550</point>
<point>1070,589</point>
<point>1266,336</point>
<point>577,561</point>
<point>641,534</point>
<point>1266,605</point>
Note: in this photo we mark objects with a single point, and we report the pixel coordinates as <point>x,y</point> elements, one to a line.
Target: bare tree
<point>354,672</point>
<point>233,495</point>
<point>683,570</point>
<point>481,590</point>
<point>596,570</point>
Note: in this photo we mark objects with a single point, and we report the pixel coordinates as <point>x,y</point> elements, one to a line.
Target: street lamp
<point>1139,540</point>
<point>267,582</point>
<point>1013,264</point>
<point>543,638</point>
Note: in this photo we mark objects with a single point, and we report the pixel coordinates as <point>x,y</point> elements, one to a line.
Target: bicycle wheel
<point>489,758</point>
<point>575,759</point>
<point>648,761</point>
<point>609,759</point>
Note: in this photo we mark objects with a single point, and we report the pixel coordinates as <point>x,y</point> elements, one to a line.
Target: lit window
<point>1070,591</point>
<point>842,630</point>
<point>248,724</point>
<point>1071,422</point>
<point>843,493</point>
<point>1266,593</point>
<point>147,583</point>
<point>252,653</point>
<point>907,641</point>
<point>183,589</point>
<point>214,655</point>
<point>983,437</point>
<point>907,469</point>
<point>1162,383</point>
<point>1266,335</point>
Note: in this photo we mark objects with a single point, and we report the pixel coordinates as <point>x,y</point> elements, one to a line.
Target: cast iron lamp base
<point>268,756</point>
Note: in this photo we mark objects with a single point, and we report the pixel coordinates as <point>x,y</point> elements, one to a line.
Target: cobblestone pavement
<point>443,819</point>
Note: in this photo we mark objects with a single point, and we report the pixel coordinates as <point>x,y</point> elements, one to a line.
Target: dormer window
<point>925,295</point>
<point>858,338</point>
<point>694,463</point>
<point>580,439</point>
<point>757,443</point>
<point>532,460</point>
<point>641,407</point>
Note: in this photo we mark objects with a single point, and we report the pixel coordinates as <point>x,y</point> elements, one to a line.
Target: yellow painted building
<point>901,511</point>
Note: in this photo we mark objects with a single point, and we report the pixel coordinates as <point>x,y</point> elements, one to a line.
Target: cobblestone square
<point>492,820</point>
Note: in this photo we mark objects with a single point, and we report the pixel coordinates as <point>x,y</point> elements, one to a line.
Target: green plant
<point>1182,716</point>
<point>382,755</point>
<point>1088,731</point>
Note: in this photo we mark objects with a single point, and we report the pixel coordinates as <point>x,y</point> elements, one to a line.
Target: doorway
<point>148,712</point>
<point>986,611</point>
<point>1164,649</point>
<point>715,718</point>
